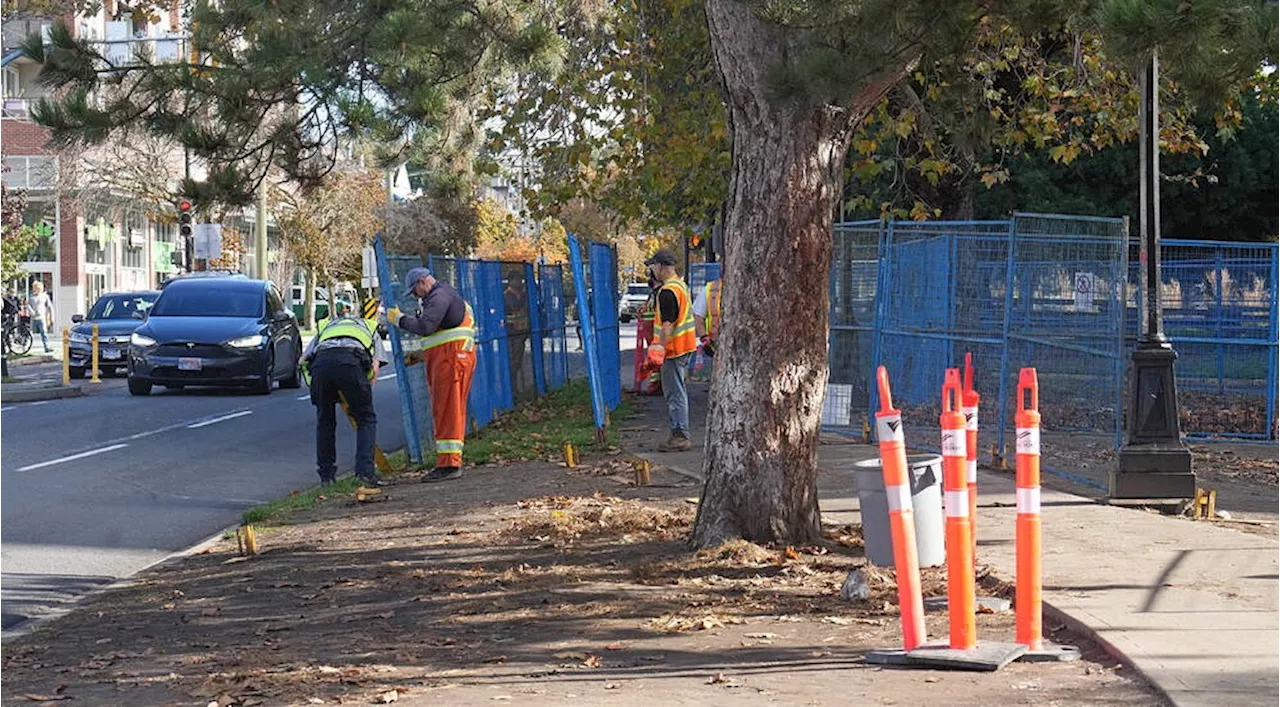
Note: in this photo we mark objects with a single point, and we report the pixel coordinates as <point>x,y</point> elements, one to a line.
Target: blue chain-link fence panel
<point>918,296</point>
<point>582,296</point>
<point>855,268</point>
<point>480,283</point>
<point>555,361</point>
<point>406,351</point>
<point>702,273</point>
<point>604,320</point>
<point>1220,311</point>
<point>1066,319</point>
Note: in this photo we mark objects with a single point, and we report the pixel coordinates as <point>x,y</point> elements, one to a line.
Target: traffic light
<point>184,219</point>
<point>697,239</point>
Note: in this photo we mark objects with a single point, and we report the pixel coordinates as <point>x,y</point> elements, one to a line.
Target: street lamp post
<point>1154,463</point>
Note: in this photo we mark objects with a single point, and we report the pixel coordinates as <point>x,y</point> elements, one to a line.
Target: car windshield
<point>209,302</point>
<point>642,290</point>
<point>120,306</point>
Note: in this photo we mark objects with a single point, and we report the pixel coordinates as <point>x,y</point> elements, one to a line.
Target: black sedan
<point>216,331</point>
<point>116,315</point>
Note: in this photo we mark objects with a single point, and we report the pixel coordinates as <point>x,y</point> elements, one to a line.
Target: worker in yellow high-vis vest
<point>706,316</point>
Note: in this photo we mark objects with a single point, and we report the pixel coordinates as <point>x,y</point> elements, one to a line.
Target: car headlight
<point>141,340</point>
<point>252,341</point>
<point>78,338</point>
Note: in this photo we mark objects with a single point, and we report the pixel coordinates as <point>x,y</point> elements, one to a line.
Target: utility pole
<point>260,228</point>
<point>1154,463</point>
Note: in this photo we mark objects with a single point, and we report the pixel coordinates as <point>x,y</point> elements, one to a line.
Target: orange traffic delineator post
<point>969,401</point>
<point>1027,543</point>
<point>897,486</point>
<point>1028,602</point>
<point>960,588</point>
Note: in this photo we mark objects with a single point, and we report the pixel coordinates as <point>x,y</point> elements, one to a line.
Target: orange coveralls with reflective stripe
<point>450,363</point>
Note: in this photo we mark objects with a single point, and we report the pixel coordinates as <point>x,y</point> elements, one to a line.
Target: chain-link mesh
<point>555,361</point>
<point>411,373</point>
<point>852,290</point>
<point>1220,305</point>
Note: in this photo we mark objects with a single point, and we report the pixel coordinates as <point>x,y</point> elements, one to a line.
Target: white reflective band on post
<point>1028,440</point>
<point>1029,501</point>
<point>971,418</point>
<point>972,467</point>
<point>889,428</point>
<point>957,504</point>
<point>953,443</point>
<point>899,497</point>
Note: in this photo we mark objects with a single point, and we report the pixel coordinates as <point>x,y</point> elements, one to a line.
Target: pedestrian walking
<point>341,365</point>
<point>40,307</point>
<point>676,340</point>
<point>447,327</point>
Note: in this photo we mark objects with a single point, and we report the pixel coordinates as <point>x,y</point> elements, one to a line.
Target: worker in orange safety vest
<point>675,340</point>
<point>447,327</point>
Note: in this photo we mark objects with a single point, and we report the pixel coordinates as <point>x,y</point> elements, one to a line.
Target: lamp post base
<point>1154,470</point>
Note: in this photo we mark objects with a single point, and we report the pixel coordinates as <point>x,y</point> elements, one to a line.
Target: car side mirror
<point>139,315</point>
<point>77,318</point>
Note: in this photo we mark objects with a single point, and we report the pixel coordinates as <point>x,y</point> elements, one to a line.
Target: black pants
<point>343,372</point>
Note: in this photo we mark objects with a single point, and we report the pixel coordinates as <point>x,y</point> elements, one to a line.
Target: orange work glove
<point>657,354</point>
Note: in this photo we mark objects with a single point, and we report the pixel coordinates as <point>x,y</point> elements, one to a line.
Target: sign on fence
<point>1084,289</point>
<point>207,238</point>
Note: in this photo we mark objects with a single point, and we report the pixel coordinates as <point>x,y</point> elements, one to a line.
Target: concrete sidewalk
<point>1191,606</point>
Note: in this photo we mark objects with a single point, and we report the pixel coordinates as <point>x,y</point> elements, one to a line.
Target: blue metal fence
<point>917,296</point>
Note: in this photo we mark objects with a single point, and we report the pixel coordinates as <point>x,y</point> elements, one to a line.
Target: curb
<point>34,393</point>
<point>33,360</point>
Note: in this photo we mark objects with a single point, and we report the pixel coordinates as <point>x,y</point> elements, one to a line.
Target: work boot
<point>678,442</point>
<point>326,479</point>
<point>442,473</point>
<point>374,480</point>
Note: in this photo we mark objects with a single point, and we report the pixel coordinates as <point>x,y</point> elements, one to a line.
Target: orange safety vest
<point>712,321</point>
<point>684,339</point>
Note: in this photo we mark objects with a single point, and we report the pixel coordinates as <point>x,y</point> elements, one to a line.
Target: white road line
<point>38,402</point>
<point>73,457</point>
<point>389,375</point>
<point>8,407</point>
<point>303,397</point>
<point>215,420</point>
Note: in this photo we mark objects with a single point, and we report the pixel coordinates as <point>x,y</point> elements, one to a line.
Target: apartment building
<point>111,242</point>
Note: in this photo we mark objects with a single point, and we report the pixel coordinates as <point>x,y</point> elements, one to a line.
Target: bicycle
<point>17,336</point>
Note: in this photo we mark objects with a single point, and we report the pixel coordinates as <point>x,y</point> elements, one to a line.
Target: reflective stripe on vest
<point>464,332</point>
<point>683,338</point>
<point>712,321</point>
<point>350,328</point>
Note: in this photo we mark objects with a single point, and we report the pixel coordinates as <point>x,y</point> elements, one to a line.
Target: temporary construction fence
<point>595,284</point>
<point>1221,312</point>
<point>522,334</point>
<point>917,296</point>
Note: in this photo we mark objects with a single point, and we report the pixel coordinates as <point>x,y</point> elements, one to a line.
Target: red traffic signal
<point>184,206</point>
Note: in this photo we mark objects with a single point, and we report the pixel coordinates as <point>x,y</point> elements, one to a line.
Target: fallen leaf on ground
<point>592,661</point>
<point>616,647</point>
<point>611,686</point>
<point>791,553</point>
<point>571,655</point>
<point>837,620</point>
<point>210,612</point>
<point>497,659</point>
<point>385,698</point>
<point>718,679</point>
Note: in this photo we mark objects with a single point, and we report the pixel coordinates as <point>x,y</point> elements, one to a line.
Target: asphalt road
<point>99,487</point>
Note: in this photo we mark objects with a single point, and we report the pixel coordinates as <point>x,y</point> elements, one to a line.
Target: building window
<point>99,234</point>
<point>132,257</point>
<point>43,216</point>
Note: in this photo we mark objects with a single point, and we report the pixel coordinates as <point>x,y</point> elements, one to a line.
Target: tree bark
<point>309,298</point>
<point>771,363</point>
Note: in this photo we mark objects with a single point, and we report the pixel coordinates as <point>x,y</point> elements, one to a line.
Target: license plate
<point>190,364</point>
<point>111,353</point>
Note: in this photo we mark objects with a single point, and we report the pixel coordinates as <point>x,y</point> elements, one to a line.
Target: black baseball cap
<point>662,257</point>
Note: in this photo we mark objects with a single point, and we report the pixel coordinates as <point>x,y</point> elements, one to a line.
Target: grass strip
<point>538,429</point>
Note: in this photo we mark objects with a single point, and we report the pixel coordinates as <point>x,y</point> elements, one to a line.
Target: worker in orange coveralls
<point>447,327</point>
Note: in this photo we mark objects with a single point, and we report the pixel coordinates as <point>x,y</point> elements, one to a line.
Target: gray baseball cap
<point>411,278</point>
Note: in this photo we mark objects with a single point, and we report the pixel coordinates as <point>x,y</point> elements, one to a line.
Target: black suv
<point>216,331</point>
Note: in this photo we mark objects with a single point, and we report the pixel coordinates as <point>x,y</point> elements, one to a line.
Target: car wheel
<point>138,386</point>
<point>263,386</point>
<point>76,373</point>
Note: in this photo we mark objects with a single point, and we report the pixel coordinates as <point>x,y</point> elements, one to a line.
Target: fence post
<point>413,443</point>
<point>536,327</point>
<point>588,336</point>
<point>1219,280</point>
<point>1122,303</point>
<point>1273,374</point>
<point>884,241</point>
<point>1002,405</point>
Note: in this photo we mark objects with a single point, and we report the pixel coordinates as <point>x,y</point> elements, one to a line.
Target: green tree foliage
<point>635,123</point>
<point>280,83</point>
<point>17,238</point>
